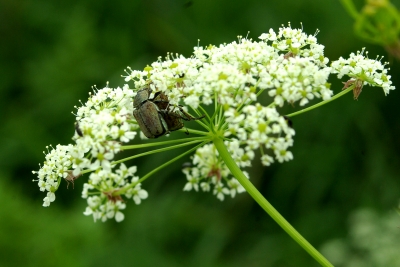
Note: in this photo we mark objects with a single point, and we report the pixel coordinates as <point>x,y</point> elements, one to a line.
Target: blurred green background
<point>345,154</point>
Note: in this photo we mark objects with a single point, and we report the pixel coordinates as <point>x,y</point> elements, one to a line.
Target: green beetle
<point>155,117</point>
<point>148,115</point>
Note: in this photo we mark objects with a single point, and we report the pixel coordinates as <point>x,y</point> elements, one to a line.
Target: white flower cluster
<point>238,71</point>
<point>57,166</point>
<point>296,42</point>
<point>209,170</point>
<point>364,71</point>
<point>255,127</point>
<point>103,123</point>
<point>289,65</point>
<point>259,127</point>
<point>105,205</point>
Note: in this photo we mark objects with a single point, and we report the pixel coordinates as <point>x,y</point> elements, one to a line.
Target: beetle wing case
<point>150,120</point>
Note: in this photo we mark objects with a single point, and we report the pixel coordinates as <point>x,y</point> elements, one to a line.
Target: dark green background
<point>51,53</point>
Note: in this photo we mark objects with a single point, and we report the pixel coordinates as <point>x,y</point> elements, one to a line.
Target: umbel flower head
<point>362,71</point>
<point>222,86</point>
<point>104,122</point>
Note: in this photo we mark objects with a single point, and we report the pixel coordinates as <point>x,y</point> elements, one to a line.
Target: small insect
<point>288,121</point>
<point>71,178</point>
<point>187,165</point>
<point>288,55</point>
<point>156,116</point>
<point>358,85</point>
<point>78,129</point>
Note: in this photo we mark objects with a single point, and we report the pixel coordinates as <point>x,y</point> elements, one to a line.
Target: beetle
<point>155,117</point>
<point>148,116</point>
<point>172,118</point>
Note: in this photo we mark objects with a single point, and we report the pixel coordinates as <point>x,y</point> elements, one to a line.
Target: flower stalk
<point>321,103</point>
<point>260,199</point>
<point>123,190</point>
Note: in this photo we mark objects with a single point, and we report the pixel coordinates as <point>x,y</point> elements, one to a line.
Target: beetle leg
<point>187,117</point>
<point>161,100</point>
<point>187,131</point>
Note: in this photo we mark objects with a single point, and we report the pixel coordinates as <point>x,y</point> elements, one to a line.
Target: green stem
<point>193,131</point>
<point>162,143</point>
<point>321,103</point>
<point>195,140</point>
<point>125,189</point>
<point>256,195</point>
<point>351,9</point>
<point>157,151</point>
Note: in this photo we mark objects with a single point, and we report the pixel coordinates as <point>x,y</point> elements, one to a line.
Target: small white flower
<point>48,199</point>
<point>235,187</point>
<point>192,183</point>
<point>88,211</point>
<point>119,216</point>
<point>266,160</point>
<point>205,186</point>
<point>280,150</point>
<point>103,159</point>
<point>86,188</point>
<point>139,195</point>
<point>220,191</point>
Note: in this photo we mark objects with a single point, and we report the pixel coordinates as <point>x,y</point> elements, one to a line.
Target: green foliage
<point>30,236</point>
<point>345,154</point>
<point>377,22</point>
<point>373,240</point>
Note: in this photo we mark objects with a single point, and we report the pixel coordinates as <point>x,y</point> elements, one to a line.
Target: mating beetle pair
<point>154,116</point>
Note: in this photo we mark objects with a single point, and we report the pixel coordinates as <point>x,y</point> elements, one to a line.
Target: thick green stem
<point>256,195</point>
